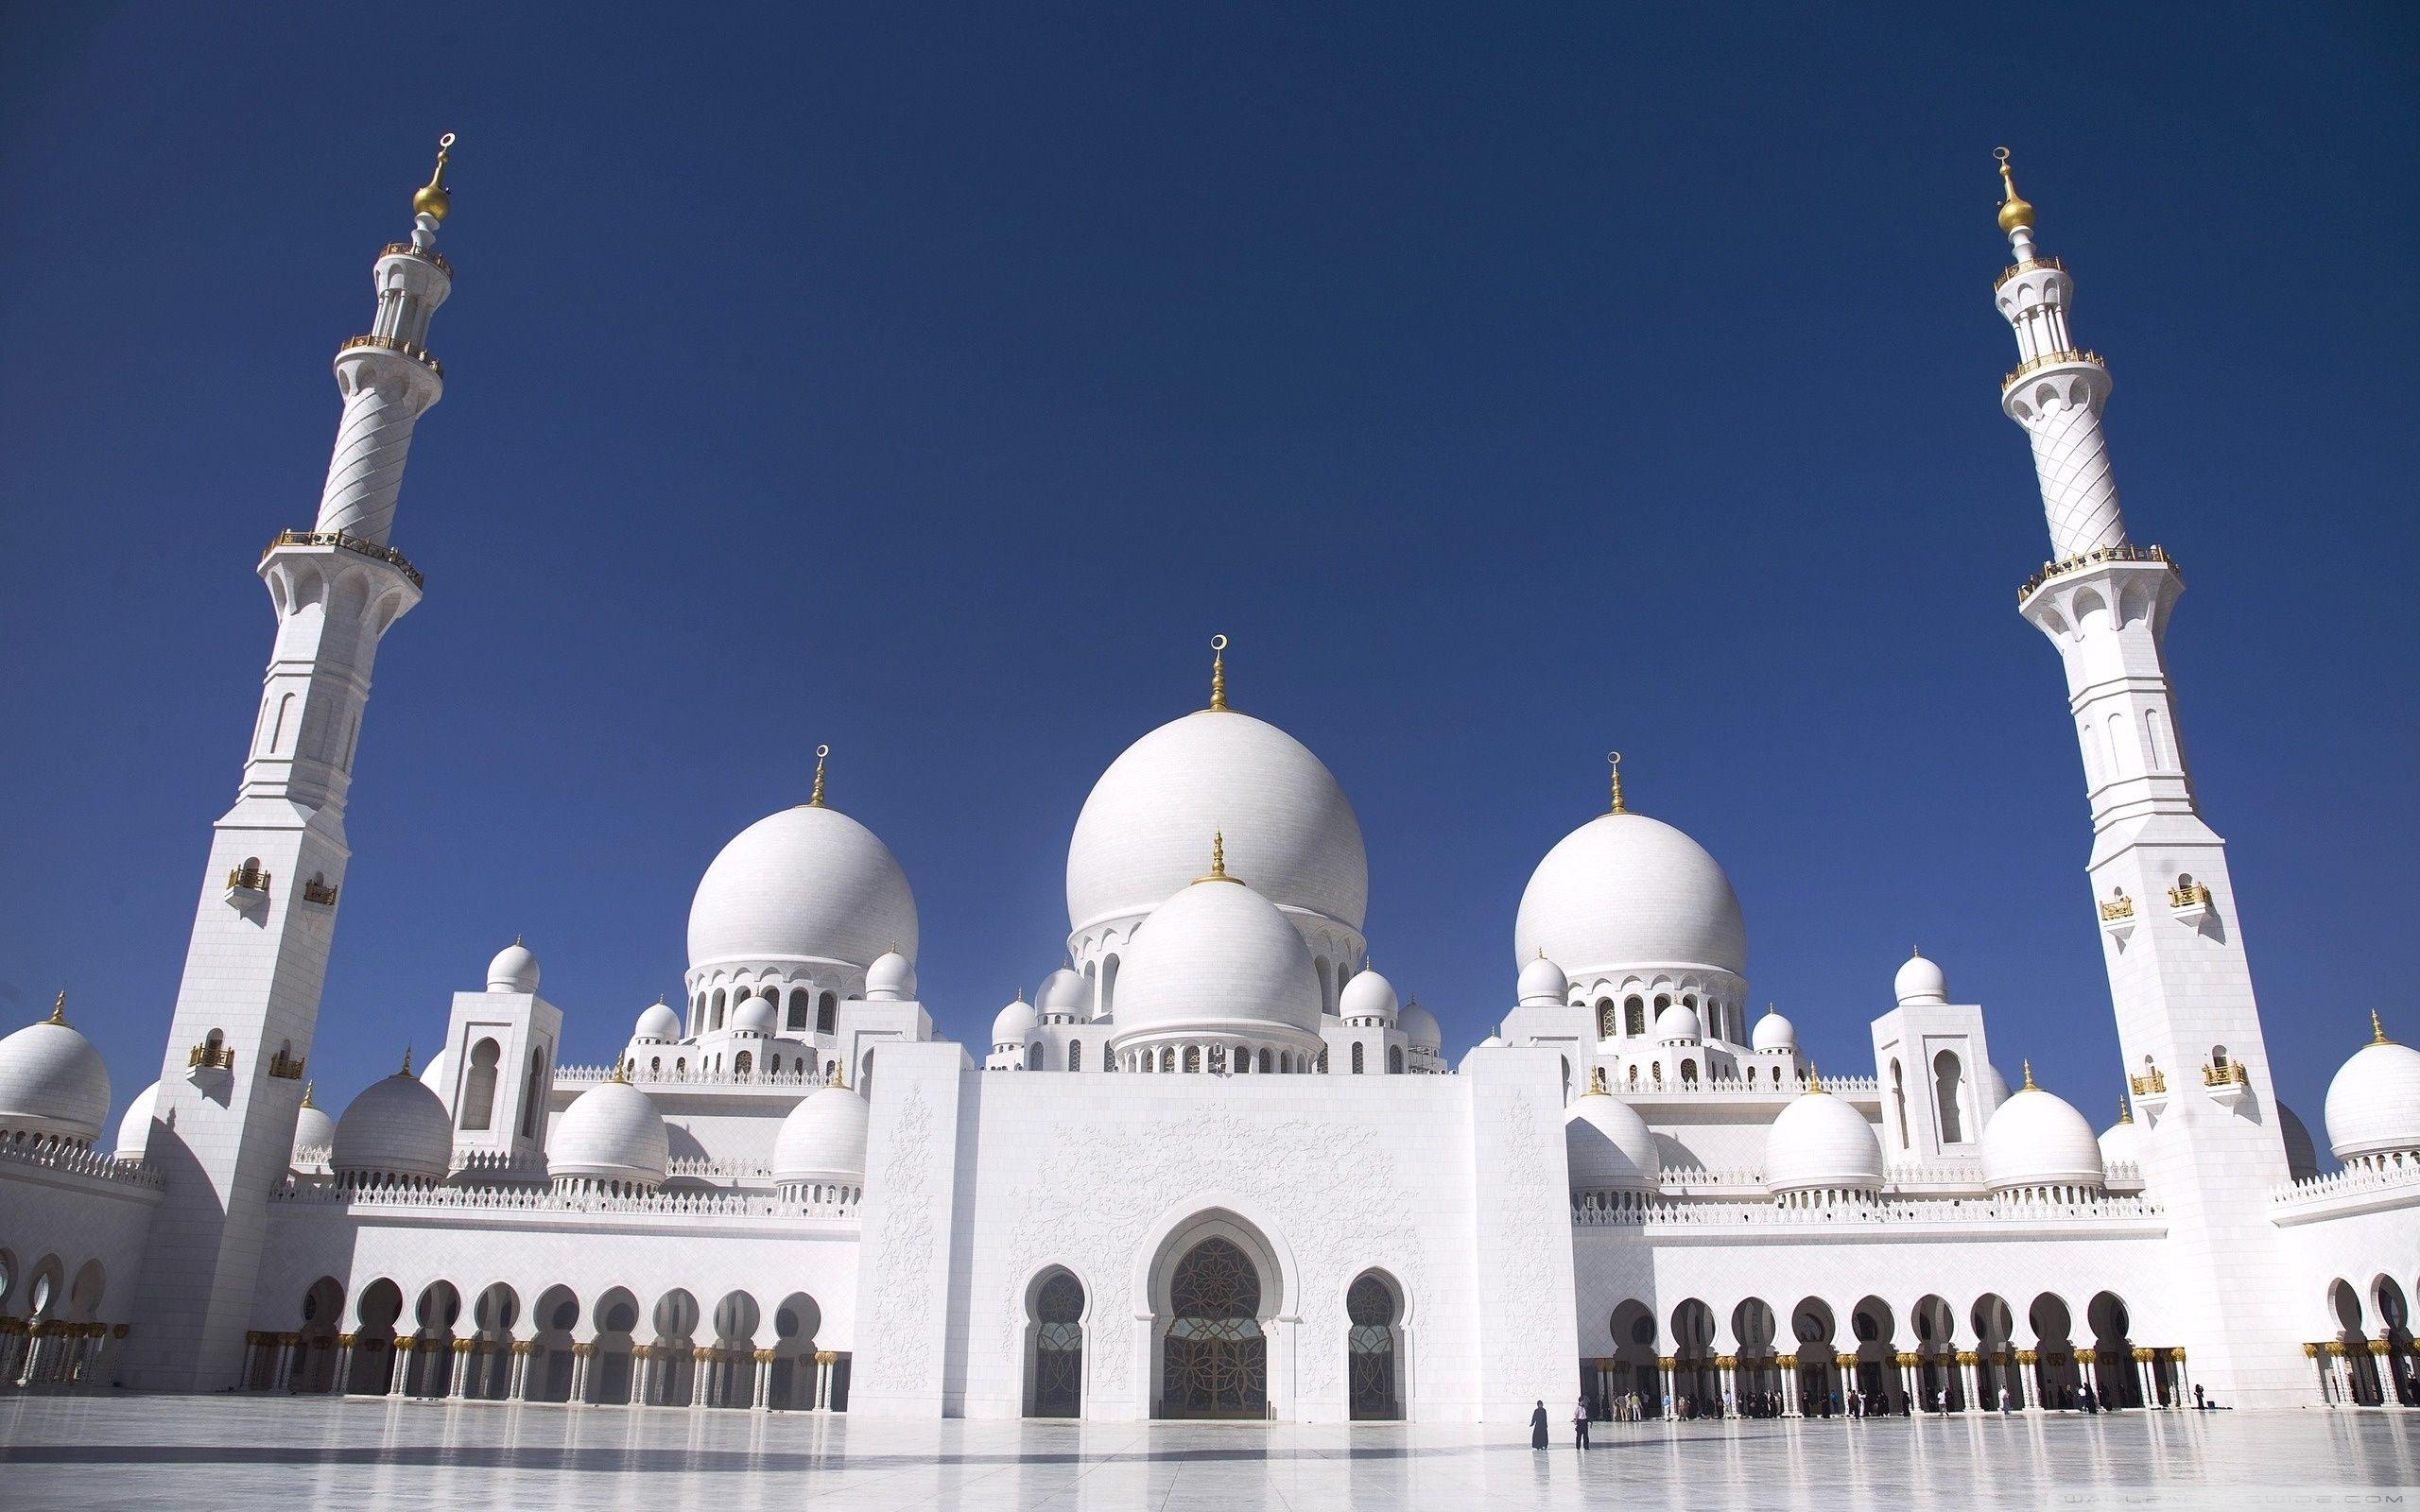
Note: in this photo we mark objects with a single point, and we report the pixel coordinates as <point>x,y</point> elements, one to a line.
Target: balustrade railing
<point>2092,558</point>
<point>53,1154</point>
<point>350,543</point>
<point>526,1199</point>
<point>1591,1209</point>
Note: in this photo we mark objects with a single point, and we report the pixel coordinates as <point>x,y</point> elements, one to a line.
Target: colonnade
<point>56,1351</point>
<point>489,1369</point>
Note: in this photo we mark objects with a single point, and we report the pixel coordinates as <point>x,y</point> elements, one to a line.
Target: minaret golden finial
<point>1814,1078</point>
<point>2377,1030</point>
<point>1218,859</point>
<point>2028,1077</point>
<point>1615,759</point>
<point>407,1062</point>
<point>58,1010</point>
<point>433,199</point>
<point>814,799</point>
<point>2015,214</point>
<point>306,1093</point>
<point>1218,674</point>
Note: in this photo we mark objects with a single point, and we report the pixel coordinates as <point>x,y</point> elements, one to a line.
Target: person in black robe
<point>1538,1426</point>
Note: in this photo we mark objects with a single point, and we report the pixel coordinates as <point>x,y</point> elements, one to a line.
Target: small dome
<point>134,1129</point>
<point>437,1075</point>
<point>2121,1143</point>
<point>755,1015</point>
<point>808,884</point>
<point>1420,1026</point>
<point>658,1023</point>
<point>1217,957</point>
<point>1368,995</point>
<point>514,970</point>
<point>1012,1024</point>
<point>1624,890</point>
<point>1543,985</point>
<point>891,978</point>
<point>315,1134</point>
<point>1821,1144</point>
<point>1063,995</point>
<point>52,1082</point>
<point>1493,1041</point>
<point>1920,981</point>
<point>823,1138</point>
<point>1610,1146</point>
<point>611,1132</point>
<point>1678,1024</point>
<point>2372,1105</point>
<point>1773,1032</point>
<point>395,1128</point>
<point>2037,1139</point>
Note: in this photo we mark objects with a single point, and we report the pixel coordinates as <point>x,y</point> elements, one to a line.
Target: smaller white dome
<point>1493,1041</point>
<point>611,1132</point>
<point>823,1138</point>
<point>1996,1082</point>
<point>1012,1024</point>
<point>1678,1024</point>
<point>1368,995</point>
<point>514,970</point>
<point>1773,1032</point>
<point>1821,1144</point>
<point>755,1015</point>
<point>134,1129</point>
<point>1920,981</point>
<point>1420,1026</point>
<point>315,1134</point>
<point>1062,995</point>
<point>1543,985</point>
<point>395,1128</point>
<point>52,1081</point>
<point>891,978</point>
<point>2374,1103</point>
<point>2121,1143</point>
<point>437,1075</point>
<point>1218,959</point>
<point>658,1023</point>
<point>2037,1139</point>
<point>1610,1146</point>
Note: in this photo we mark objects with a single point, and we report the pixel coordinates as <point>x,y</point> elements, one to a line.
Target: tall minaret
<point>2188,1024</point>
<point>232,1080</point>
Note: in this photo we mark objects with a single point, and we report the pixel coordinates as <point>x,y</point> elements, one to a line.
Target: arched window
<point>655,1065</point>
<point>1608,1024</point>
<point>1076,1055</point>
<point>478,1086</point>
<point>1899,1104</point>
<point>1395,1060</point>
<point>1193,1058</point>
<point>533,1097</point>
<point>714,1020</point>
<point>1327,993</point>
<point>1034,1058</point>
<point>1218,1059</point>
<point>1243,1060</point>
<point>1167,1058</point>
<point>801,1001</point>
<point>1356,1058</point>
<point>2218,1058</point>
<point>1322,1060</point>
<point>742,1063</point>
<point>1370,1350</point>
<point>1058,1347</point>
<point>1108,987</point>
<point>1946,1077</point>
<point>1264,1060</point>
<point>1634,1017</point>
<point>827,1008</point>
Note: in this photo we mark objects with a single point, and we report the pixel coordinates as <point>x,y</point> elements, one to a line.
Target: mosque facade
<point>788,1192</point>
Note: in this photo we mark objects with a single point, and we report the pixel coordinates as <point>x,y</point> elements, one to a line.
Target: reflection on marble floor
<point>251,1451</point>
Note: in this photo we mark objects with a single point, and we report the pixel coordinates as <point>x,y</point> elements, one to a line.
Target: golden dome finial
<point>2377,1030</point>
<point>1219,673</point>
<point>1814,1078</point>
<point>1218,860</point>
<point>306,1093</point>
<point>2028,1077</point>
<point>2125,1111</point>
<point>814,799</point>
<point>2016,213</point>
<point>433,199</point>
<point>58,1010</point>
<point>1596,1083</point>
<point>621,1066</point>
<point>1615,759</point>
<point>407,1062</point>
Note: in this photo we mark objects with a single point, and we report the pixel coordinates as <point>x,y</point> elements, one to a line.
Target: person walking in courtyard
<point>1580,1423</point>
<point>1538,1426</point>
<point>2003,1401</point>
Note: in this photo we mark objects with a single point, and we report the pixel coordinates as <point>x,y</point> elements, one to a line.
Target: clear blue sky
<point>1510,383</point>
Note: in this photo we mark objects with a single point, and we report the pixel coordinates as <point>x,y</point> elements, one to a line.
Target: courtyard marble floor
<point>259,1452</point>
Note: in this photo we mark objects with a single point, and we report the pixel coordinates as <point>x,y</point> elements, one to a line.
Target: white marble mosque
<point>1295,1204</point>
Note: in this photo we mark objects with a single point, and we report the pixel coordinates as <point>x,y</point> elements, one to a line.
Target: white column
<point>284,1382</point>
<point>1789,1385</point>
<point>764,1388</point>
<point>399,1365</point>
<point>580,1355</point>
<point>702,1369</point>
<point>517,1383</point>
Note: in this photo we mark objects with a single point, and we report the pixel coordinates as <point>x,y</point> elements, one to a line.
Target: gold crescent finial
<point>2028,1077</point>
<point>1615,759</point>
<point>407,1062</point>
<point>1219,673</point>
<point>2377,1030</point>
<point>433,199</point>
<point>58,1010</point>
<point>2015,214</point>
<point>814,799</point>
<point>1814,1078</point>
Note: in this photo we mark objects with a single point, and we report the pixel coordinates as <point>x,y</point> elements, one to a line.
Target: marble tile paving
<point>257,1453</point>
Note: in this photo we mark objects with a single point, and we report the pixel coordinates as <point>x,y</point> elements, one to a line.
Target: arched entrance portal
<point>1214,1359</point>
<point>1373,1379</point>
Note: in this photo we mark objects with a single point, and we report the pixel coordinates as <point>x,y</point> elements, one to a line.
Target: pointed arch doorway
<point>1214,1353</point>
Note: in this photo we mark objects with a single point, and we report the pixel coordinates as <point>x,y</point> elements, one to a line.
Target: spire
<point>2125,1111</point>
<point>814,799</point>
<point>306,1093</point>
<point>1615,758</point>
<point>1596,1083</point>
<point>433,199</point>
<point>2028,1086</point>
<point>2016,213</point>
<point>407,1062</point>
<point>1218,674</point>
<point>2377,1030</point>
<point>1218,860</point>
<point>1814,1079</point>
<point>621,1069</point>
<point>58,1010</point>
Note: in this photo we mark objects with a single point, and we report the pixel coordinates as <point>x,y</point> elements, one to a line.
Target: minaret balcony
<point>418,354</point>
<point>319,890</point>
<point>211,1055</point>
<point>247,885</point>
<point>2190,904</point>
<point>2151,1092</point>
<point>353,543</point>
<point>2228,1084</point>
<point>2092,558</point>
<point>427,254</point>
<point>2031,365</point>
<point>2027,265</point>
<point>2117,917</point>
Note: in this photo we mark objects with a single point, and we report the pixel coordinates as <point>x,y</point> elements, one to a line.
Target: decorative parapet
<point>2379,1183</point>
<point>2230,1074</point>
<point>1935,1173</point>
<point>2049,359</point>
<point>2029,265</point>
<point>590,1076</point>
<point>50,1153</point>
<point>2151,1083</point>
<point>1678,1182</point>
<point>353,543</point>
<point>499,1165</point>
<point>2124,1173</point>
<point>427,255</point>
<point>668,1203</point>
<point>418,354</point>
<point>2094,559</point>
<point>1631,1209</point>
<point>716,1167</point>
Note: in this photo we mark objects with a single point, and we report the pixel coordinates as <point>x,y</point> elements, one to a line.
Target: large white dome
<point>1822,1144</point>
<point>395,1128</point>
<point>1144,830</point>
<point>823,1138</point>
<point>1610,1146</point>
<point>2372,1105</point>
<point>611,1132</point>
<point>2037,1139</point>
<point>52,1082</point>
<point>1217,957</point>
<point>134,1129</point>
<point>1624,890</point>
<point>807,884</point>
